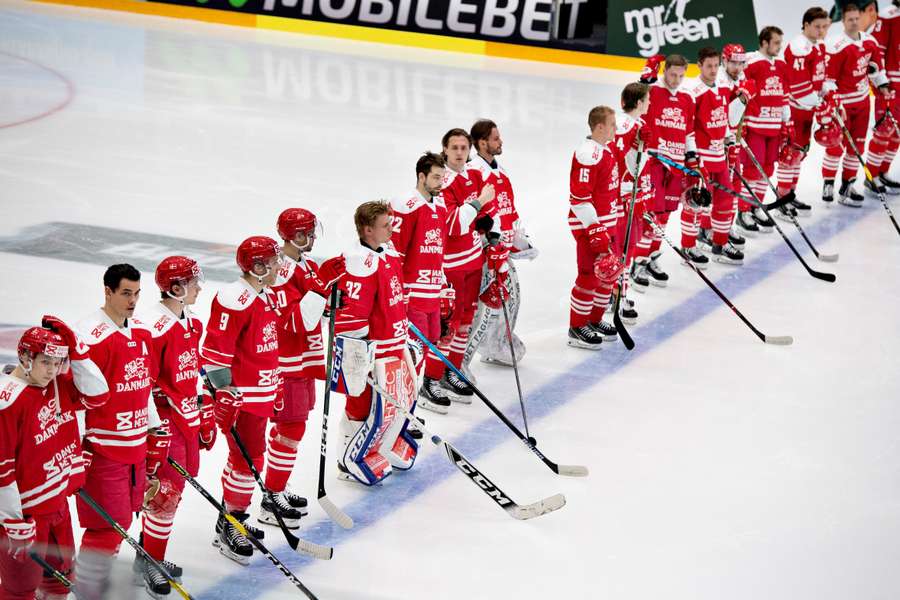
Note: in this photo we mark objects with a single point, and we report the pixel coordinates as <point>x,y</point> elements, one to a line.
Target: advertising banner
<point>648,27</point>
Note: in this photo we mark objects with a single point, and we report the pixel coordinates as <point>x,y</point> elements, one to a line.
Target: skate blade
<point>459,399</point>
<point>583,345</point>
<point>441,410</point>
<point>729,262</point>
<point>659,283</point>
<point>241,560</point>
<point>271,520</point>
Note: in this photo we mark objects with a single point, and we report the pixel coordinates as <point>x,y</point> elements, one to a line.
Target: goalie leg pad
<point>353,362</point>
<point>400,382</point>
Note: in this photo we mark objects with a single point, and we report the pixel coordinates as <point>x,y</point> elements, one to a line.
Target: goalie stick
<point>567,470</point>
<point>55,574</point>
<point>298,544</point>
<point>829,277</point>
<point>868,173</point>
<point>778,340</point>
<point>330,508</point>
<point>820,256</point>
<point>134,544</point>
<point>626,338</point>
<point>516,511</point>
<point>241,529</point>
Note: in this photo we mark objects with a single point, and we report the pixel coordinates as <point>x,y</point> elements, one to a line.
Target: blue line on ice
<point>433,468</point>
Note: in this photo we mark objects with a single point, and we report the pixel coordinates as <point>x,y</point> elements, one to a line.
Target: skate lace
<point>293,499</point>
<point>235,537</point>
<point>284,507</point>
<point>155,576</point>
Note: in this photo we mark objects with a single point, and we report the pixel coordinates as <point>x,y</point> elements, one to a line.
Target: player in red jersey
<point>670,124</point>
<point>886,138</point>
<point>489,337</point>
<point>240,357</point>
<point>374,319</point>
<point>186,426</point>
<point>116,430</point>
<point>300,291</point>
<point>854,63</point>
<point>41,459</point>
<point>468,200</point>
<point>630,127</point>
<point>767,121</point>
<point>710,131</point>
<point>805,58</point>
<point>593,192</point>
<point>419,233</point>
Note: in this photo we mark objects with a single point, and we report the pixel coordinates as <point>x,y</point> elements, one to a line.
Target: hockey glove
<point>496,292</point>
<point>332,270</point>
<point>650,72</point>
<point>745,90</point>
<point>448,305</point>
<point>483,224</point>
<point>21,534</point>
<point>158,442</point>
<point>77,349</point>
<point>598,238</point>
<point>497,256</point>
<point>207,431</point>
<point>228,403</point>
<point>787,132</point>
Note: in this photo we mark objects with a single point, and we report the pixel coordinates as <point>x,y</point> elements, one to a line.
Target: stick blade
<point>779,340</point>
<point>572,470</point>
<point>626,338</point>
<point>308,548</point>
<point>828,257</point>
<point>541,507</point>
<point>335,513</point>
<point>829,277</point>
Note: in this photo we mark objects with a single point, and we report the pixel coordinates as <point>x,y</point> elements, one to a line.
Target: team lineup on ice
<point>216,240</point>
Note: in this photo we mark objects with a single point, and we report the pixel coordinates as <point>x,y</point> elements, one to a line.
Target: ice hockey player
<point>300,291</point>
<point>593,192</point>
<point>854,61</point>
<point>671,124</point>
<point>116,429</point>
<point>41,458</point>
<point>373,345</point>
<point>731,76</point>
<point>468,200</point>
<point>488,335</point>
<point>419,234</point>
<point>767,124</point>
<point>240,357</point>
<point>805,58</point>
<point>709,158</point>
<point>186,426</point>
<point>886,137</point>
<point>635,102</point>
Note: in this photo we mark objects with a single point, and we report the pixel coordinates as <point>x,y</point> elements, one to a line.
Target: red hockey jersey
<point>806,71</point>
<point>503,208</point>
<point>176,352</point>
<point>420,230</point>
<point>593,187</point>
<point>118,429</point>
<point>887,34</point>
<point>374,308</point>
<point>242,334</point>
<point>301,351</point>
<point>670,121</point>
<point>710,122</point>
<point>848,67</point>
<point>40,445</point>
<point>768,109</point>
<point>625,144</point>
<point>464,250</point>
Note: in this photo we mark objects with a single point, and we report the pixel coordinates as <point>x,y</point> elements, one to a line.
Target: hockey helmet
<point>828,135</point>
<point>259,249</point>
<point>177,270</point>
<point>38,340</point>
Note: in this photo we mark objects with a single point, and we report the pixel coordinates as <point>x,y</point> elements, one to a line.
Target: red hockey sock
<point>281,453</point>
<point>156,531</point>
<point>458,345</point>
<point>580,305</point>
<point>601,302</point>
<point>689,228</point>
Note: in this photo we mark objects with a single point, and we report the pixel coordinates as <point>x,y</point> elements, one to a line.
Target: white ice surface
<point>720,467</point>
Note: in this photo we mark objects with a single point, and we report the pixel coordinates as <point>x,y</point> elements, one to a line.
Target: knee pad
<point>288,434</point>
<point>101,541</point>
<point>587,281</point>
